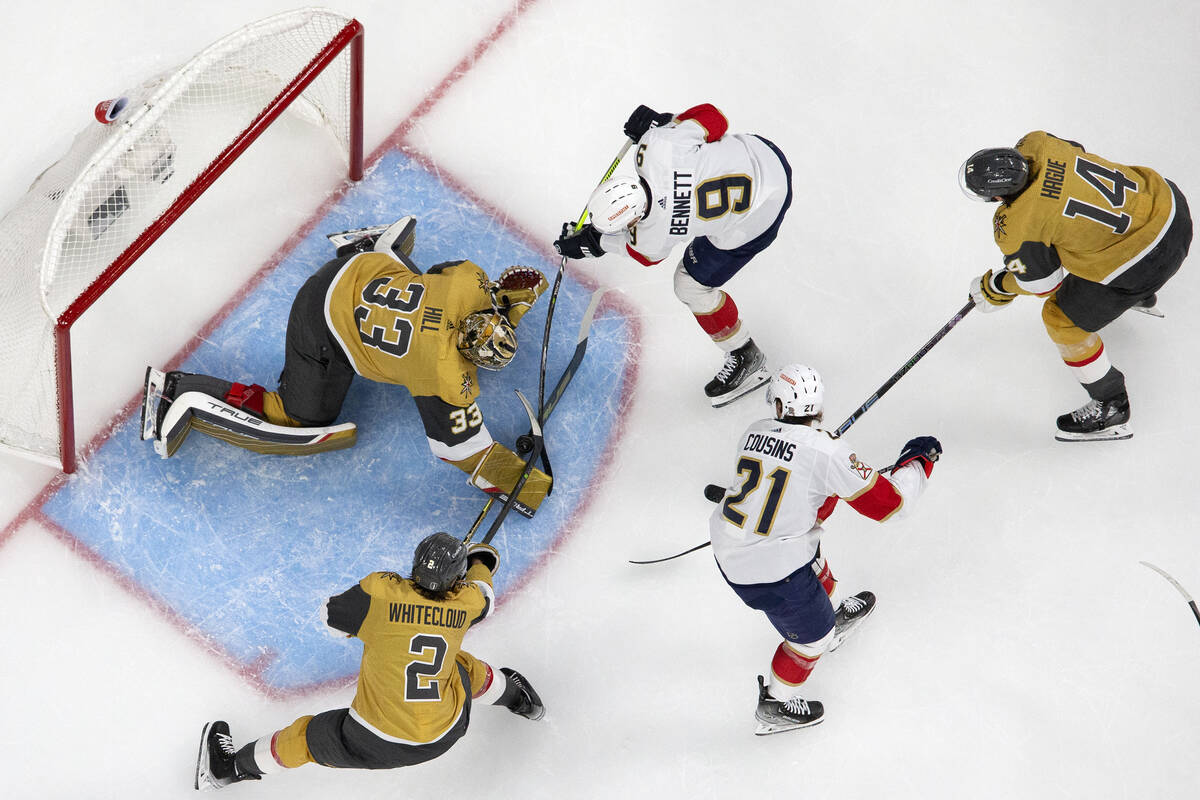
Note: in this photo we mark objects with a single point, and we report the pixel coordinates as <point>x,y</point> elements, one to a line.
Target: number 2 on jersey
<point>752,468</point>
<point>419,676</point>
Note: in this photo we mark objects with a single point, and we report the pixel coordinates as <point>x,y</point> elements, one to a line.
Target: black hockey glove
<point>585,244</point>
<point>924,449</point>
<point>643,119</point>
<point>485,554</point>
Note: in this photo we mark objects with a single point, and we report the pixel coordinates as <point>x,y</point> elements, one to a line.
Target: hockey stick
<point>900,373</point>
<point>525,442</point>
<point>1191,603</point>
<point>715,494</point>
<point>534,452</point>
<point>562,268</point>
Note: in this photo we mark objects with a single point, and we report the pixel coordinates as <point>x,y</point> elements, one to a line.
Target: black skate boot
<point>216,765</point>
<point>849,616</point>
<point>1096,421</point>
<point>777,716</point>
<point>523,700</point>
<point>743,372</point>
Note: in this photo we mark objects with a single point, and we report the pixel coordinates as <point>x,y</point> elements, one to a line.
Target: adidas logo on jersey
<point>662,203</point>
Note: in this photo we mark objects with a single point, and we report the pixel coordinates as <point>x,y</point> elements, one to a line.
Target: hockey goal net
<point>130,175</point>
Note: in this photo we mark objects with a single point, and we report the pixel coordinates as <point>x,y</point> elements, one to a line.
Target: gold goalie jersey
<point>399,326</point>
<point>1081,214</point>
<point>409,686</point>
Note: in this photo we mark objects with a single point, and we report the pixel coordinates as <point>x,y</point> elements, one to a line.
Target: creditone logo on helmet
<point>993,172</point>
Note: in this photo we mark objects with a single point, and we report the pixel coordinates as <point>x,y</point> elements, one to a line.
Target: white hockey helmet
<point>487,340</point>
<point>800,389</point>
<point>617,203</point>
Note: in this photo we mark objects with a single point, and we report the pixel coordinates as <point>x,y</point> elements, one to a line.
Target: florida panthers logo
<point>863,470</point>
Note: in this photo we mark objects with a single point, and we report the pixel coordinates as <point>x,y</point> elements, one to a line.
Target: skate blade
<point>204,782</point>
<point>848,631</point>
<point>151,394</point>
<point>1152,311</point>
<point>768,728</point>
<point>1113,434</point>
<point>755,381</point>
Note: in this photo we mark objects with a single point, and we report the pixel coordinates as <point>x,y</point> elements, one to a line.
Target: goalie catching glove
<point>988,291</point>
<point>516,290</point>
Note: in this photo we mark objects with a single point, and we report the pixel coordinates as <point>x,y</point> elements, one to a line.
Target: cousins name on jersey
<point>769,446</point>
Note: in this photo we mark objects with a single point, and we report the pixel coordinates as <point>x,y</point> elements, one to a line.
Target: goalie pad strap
<point>195,410</point>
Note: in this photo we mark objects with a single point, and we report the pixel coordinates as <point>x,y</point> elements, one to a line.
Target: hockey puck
<point>714,493</point>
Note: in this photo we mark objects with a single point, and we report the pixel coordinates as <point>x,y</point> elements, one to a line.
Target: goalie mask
<point>617,203</point>
<point>440,561</point>
<point>994,172</point>
<point>800,389</point>
<point>487,340</point>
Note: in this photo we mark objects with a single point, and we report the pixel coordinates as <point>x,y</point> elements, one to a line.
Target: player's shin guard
<point>792,664</point>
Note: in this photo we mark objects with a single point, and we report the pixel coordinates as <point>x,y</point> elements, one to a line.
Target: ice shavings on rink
<point>245,547</point>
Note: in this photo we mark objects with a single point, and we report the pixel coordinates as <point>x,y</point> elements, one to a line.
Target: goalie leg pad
<point>500,469</point>
<point>199,411</point>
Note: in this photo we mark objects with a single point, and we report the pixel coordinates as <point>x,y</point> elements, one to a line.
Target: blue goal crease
<point>246,547</point>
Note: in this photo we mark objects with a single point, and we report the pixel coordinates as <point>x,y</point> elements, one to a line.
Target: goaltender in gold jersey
<point>371,312</point>
<point>1095,238</point>
<point>416,685</point>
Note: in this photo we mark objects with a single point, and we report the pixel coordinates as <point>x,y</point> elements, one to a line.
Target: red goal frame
<point>351,36</point>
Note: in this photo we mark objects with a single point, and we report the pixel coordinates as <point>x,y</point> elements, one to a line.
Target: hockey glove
<point>484,554</point>
<point>643,119</point>
<point>923,449</point>
<point>516,291</point>
<point>988,292</point>
<point>585,244</point>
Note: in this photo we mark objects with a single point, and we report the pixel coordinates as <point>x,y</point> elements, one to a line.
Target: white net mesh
<point>83,211</point>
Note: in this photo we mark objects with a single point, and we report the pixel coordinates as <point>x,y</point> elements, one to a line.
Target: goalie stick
<point>543,413</point>
<point>1191,603</point>
<point>535,451</point>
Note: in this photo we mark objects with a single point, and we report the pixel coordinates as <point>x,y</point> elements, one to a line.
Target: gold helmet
<point>487,340</point>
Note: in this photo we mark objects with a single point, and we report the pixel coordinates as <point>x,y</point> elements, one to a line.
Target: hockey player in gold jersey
<point>371,312</point>
<point>1093,237</point>
<point>416,685</point>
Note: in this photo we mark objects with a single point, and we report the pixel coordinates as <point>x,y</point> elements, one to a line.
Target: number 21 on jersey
<point>777,480</point>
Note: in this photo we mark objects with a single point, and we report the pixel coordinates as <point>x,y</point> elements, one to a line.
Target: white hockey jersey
<point>703,182</point>
<point>792,476</point>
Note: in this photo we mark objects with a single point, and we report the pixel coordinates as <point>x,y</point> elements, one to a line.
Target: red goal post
<point>129,177</point>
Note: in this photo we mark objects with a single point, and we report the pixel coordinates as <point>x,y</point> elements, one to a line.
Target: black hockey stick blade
<point>677,555</point>
<point>1191,603</point>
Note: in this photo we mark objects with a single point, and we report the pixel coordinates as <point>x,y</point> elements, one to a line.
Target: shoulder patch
<point>863,470</point>
<point>1000,225</point>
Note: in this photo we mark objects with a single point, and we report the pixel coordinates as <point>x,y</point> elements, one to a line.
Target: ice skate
<point>152,391</point>
<point>742,373</point>
<point>850,614</point>
<point>216,765</point>
<point>1096,421</point>
<point>526,703</point>
<point>1149,305</point>
<point>777,716</point>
